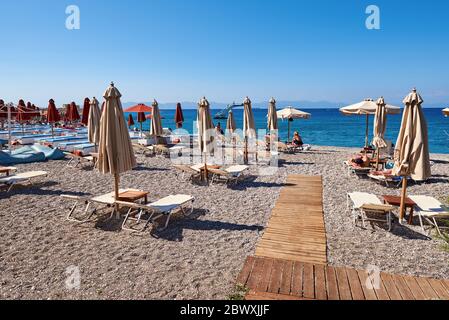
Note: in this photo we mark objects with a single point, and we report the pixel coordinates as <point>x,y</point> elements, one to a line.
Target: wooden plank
<point>264,281</point>
<point>403,288</point>
<point>367,285</point>
<point>261,296</point>
<point>308,281</point>
<point>246,271</point>
<point>439,288</point>
<point>276,276</point>
<point>390,286</point>
<point>255,275</point>
<point>354,284</point>
<point>297,279</point>
<point>426,288</point>
<point>320,282</point>
<point>411,282</point>
<point>331,284</point>
<point>343,284</point>
<point>286,281</point>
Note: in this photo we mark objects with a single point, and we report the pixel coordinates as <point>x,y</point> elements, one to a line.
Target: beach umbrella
<point>93,123</point>
<point>272,115</point>
<point>249,128</point>
<point>380,124</point>
<point>86,111</point>
<point>22,115</point>
<point>205,125</point>
<point>115,151</point>
<point>446,112</point>
<point>52,115</point>
<point>130,120</point>
<point>179,116</point>
<point>230,123</point>
<point>290,114</point>
<point>412,147</point>
<point>140,109</point>
<point>72,113</point>
<point>367,107</point>
<point>156,123</point>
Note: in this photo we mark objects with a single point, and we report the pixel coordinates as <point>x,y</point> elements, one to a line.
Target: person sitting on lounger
<point>297,140</point>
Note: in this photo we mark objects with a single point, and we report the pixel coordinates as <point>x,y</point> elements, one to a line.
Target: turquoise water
<point>327,127</point>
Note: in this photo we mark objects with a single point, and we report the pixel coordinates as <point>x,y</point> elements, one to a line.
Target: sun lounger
<point>356,169</point>
<point>385,177</point>
<point>76,160</point>
<point>102,202</point>
<point>365,205</point>
<point>231,174</point>
<point>21,178</point>
<point>163,207</point>
<point>182,170</point>
<point>430,210</point>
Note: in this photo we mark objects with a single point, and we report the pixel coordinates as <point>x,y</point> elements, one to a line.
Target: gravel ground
<point>197,257</point>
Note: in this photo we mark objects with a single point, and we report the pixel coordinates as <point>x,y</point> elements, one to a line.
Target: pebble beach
<point>196,257</point>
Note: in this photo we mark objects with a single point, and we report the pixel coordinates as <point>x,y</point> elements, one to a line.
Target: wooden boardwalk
<point>296,229</point>
<point>276,279</point>
<point>291,262</point>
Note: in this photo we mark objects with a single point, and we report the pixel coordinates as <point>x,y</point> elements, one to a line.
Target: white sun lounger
<point>20,178</point>
<point>233,173</point>
<point>104,201</point>
<point>430,209</point>
<point>367,204</point>
<point>163,207</point>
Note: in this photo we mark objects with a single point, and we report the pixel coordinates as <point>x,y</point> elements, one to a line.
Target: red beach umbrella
<point>86,108</point>
<point>52,114</point>
<point>130,120</point>
<point>179,117</point>
<point>139,108</point>
<point>73,114</point>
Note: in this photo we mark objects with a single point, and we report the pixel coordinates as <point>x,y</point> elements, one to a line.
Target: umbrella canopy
<point>230,123</point>
<point>290,114</point>
<point>115,152</point>
<point>4,110</point>
<point>446,112</point>
<point>139,108</point>
<point>249,128</point>
<point>205,127</point>
<point>52,112</point>
<point>22,114</point>
<point>130,120</point>
<point>380,124</point>
<point>272,115</point>
<point>93,123</point>
<point>86,109</point>
<point>156,123</point>
<point>412,147</point>
<point>179,116</point>
<point>368,106</point>
<point>72,113</point>
<point>141,117</point>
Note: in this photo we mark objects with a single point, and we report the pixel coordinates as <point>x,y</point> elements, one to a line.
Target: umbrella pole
<point>403,197</point>
<point>9,128</point>
<point>141,129</point>
<point>206,176</point>
<point>52,131</point>
<point>366,131</point>
<point>116,189</point>
<point>378,158</point>
<point>288,137</point>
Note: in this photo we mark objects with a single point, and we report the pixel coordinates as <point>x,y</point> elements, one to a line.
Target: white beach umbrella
<point>412,147</point>
<point>272,115</point>
<point>367,107</point>
<point>446,112</point>
<point>290,114</point>
<point>205,125</point>
<point>156,123</point>
<point>249,127</point>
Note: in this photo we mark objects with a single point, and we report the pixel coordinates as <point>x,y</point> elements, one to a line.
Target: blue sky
<point>180,50</point>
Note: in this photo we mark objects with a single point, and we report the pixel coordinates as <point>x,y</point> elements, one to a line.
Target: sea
<point>326,127</point>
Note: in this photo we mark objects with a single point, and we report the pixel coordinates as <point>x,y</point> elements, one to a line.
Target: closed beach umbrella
<point>156,123</point>
<point>179,116</point>
<point>86,109</point>
<point>412,148</point>
<point>141,118</point>
<point>446,112</point>
<point>73,114</point>
<point>93,123</point>
<point>367,107</point>
<point>272,115</point>
<point>130,120</point>
<point>115,154</point>
<point>230,123</point>
<point>290,114</point>
<point>205,130</point>
<point>52,115</point>
<point>380,124</point>
<point>22,115</point>
<point>249,128</point>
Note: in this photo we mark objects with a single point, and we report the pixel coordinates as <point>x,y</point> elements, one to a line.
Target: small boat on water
<point>223,114</point>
